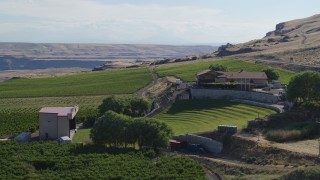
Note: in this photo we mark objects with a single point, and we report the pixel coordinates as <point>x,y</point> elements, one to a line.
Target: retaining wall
<point>279,110</point>
<point>209,144</point>
<point>232,94</point>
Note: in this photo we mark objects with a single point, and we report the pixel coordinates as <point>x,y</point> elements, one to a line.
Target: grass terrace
<point>198,116</point>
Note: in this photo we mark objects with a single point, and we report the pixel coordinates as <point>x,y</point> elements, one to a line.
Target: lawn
<point>197,116</point>
<point>187,72</point>
<point>82,135</point>
<point>93,83</point>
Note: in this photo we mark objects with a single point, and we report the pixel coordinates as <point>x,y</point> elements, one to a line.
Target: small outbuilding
<point>56,122</point>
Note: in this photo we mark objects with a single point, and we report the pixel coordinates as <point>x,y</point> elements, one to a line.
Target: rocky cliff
<point>295,41</point>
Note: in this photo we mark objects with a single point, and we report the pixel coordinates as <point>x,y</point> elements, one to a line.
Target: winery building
<point>56,122</point>
<point>255,78</point>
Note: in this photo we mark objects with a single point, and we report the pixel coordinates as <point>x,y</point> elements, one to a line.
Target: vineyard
<point>50,161</point>
<point>187,71</point>
<point>85,84</point>
<point>21,114</point>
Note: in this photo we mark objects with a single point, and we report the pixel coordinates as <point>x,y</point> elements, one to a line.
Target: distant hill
<point>21,56</point>
<point>296,41</point>
<point>99,51</point>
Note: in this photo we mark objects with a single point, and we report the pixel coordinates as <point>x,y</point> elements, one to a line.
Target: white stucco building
<point>56,122</point>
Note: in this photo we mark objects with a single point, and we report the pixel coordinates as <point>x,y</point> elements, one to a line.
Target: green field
<point>187,72</point>
<point>82,136</point>
<point>21,114</point>
<point>84,84</point>
<point>48,160</point>
<point>199,116</point>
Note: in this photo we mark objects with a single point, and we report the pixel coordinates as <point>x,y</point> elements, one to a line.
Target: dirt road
<point>309,147</point>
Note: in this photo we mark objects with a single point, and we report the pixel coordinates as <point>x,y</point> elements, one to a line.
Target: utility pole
<point>318,122</point>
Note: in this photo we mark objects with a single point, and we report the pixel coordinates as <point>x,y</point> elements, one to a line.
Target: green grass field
<point>84,84</point>
<point>198,116</point>
<point>187,72</point>
<point>82,135</point>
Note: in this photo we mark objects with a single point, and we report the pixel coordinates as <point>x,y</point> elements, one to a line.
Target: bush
<point>298,132</point>
<point>218,67</point>
<point>283,135</point>
<point>228,85</point>
<point>127,105</point>
<point>271,74</point>
<point>310,173</point>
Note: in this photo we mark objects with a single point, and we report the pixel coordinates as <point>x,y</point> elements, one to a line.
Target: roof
<point>244,75</point>
<point>204,72</point>
<point>65,138</point>
<point>235,75</point>
<point>61,111</point>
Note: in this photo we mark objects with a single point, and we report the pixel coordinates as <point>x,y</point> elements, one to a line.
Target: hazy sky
<point>146,21</point>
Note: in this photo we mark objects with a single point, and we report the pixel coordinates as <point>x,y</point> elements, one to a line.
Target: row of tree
<point>304,87</point>
<point>118,130</point>
<point>129,105</point>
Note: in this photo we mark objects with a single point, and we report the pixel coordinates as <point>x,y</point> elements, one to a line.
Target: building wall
<point>210,144</point>
<point>260,81</point>
<point>63,126</point>
<point>48,124</point>
<point>220,80</point>
<point>232,94</point>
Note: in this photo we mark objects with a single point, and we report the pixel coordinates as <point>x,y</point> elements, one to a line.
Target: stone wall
<point>209,144</point>
<point>232,94</point>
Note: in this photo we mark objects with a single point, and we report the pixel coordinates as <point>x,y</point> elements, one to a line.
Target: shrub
<point>300,131</point>
<point>311,173</point>
<point>283,135</point>
<point>128,105</point>
<point>218,67</point>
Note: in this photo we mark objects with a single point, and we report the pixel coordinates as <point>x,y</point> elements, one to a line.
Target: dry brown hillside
<point>296,41</point>
<point>99,51</point>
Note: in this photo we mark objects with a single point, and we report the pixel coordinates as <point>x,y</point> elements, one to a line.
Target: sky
<point>176,22</point>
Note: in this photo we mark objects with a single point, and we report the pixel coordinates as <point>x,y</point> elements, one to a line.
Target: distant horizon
<point>165,22</point>
<point>212,44</point>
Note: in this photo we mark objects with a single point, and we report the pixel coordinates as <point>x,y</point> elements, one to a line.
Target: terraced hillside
<point>199,116</point>
<point>187,71</point>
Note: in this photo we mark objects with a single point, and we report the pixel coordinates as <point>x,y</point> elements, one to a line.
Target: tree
<point>128,105</point>
<point>271,74</point>
<point>110,129</point>
<point>304,87</point>
<point>149,132</point>
<point>218,67</point>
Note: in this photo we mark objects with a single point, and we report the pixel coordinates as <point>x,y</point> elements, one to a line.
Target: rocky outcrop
<point>225,52</point>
